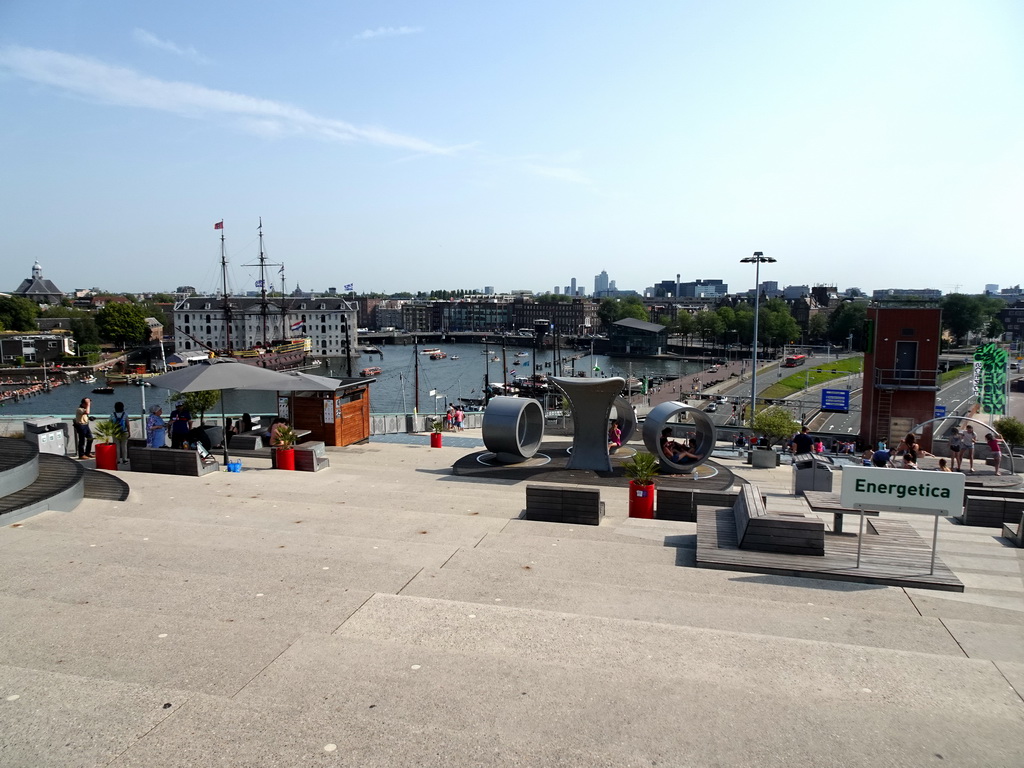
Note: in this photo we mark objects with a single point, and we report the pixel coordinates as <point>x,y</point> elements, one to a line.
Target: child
<point>993,446</point>
<point>943,467</point>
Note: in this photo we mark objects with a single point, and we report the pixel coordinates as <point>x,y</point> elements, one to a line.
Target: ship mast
<point>262,263</point>
<point>224,286</point>
<point>263,286</point>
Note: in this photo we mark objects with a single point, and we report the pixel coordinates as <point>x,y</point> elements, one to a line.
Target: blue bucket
<point>234,466</point>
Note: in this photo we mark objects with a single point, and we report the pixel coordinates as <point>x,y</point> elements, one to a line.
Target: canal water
<point>461,374</point>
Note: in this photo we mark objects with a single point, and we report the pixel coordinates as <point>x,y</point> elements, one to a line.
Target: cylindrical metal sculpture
<point>513,428</point>
<point>705,430</point>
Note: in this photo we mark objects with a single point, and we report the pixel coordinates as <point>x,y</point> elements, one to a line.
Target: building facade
<point>201,323</point>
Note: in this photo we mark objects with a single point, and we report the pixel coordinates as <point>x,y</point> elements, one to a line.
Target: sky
<point>407,146</point>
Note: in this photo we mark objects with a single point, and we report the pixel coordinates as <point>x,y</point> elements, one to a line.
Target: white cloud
<point>150,40</point>
<point>554,172</point>
<point>120,86</point>
<point>368,34</point>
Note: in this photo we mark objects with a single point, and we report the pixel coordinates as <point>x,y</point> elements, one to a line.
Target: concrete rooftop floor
<point>387,613</point>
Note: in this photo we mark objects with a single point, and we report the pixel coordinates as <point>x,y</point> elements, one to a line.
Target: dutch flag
<point>298,325</point>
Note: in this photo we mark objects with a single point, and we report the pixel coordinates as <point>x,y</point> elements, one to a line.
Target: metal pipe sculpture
<point>513,428</point>
<point>657,421</point>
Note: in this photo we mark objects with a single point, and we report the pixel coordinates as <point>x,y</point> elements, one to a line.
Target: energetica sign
<point>903,490</point>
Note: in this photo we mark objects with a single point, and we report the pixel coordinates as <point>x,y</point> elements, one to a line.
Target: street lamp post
<point>757,259</point>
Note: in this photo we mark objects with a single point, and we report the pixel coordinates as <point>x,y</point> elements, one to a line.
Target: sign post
<point>915,492</point>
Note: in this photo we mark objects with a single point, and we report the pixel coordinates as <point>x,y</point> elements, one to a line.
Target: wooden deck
<point>893,554</point>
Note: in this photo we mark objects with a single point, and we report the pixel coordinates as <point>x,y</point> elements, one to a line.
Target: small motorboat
<point>103,390</point>
<point>371,371</point>
<point>88,379</point>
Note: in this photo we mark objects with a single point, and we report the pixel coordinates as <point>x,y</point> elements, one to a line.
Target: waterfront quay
<point>386,612</point>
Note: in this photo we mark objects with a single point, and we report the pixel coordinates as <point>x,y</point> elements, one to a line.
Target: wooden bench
<point>311,457</point>
<point>247,441</point>
<point>1015,531</point>
<point>559,504</point>
<point>791,534</point>
<point>680,504</point>
<point>171,461</point>
<point>991,511</point>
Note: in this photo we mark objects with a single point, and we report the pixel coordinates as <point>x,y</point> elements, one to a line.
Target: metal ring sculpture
<point>658,419</point>
<point>513,428</point>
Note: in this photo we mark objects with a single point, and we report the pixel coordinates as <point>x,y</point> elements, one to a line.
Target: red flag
<point>219,224</point>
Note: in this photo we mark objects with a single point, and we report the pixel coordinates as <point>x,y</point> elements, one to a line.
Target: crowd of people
<point>961,447</point>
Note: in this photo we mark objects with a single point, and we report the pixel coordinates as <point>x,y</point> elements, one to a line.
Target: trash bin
<point>49,435</point>
<point>811,473</point>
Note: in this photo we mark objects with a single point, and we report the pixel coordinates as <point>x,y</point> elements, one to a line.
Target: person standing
<point>992,439</point>
<point>955,449</point>
<point>119,418</point>
<point>83,432</point>
<point>967,440</point>
<point>459,417</point>
<point>802,441</point>
<point>181,425</point>
<point>156,429</point>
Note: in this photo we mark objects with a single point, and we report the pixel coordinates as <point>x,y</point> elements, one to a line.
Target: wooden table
<point>826,501</point>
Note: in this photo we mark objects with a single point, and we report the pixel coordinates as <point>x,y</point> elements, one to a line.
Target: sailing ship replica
<point>270,346</point>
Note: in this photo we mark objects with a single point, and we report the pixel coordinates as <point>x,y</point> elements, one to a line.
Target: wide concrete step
<point>597,563</point>
<point>701,606</point>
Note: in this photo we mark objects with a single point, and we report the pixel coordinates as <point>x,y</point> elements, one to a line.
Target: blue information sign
<point>835,400</point>
<point>940,411</point>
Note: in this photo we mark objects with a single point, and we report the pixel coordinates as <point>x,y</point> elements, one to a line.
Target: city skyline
<point>407,148</point>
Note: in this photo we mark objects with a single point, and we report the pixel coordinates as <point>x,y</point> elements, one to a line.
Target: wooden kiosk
<point>338,417</point>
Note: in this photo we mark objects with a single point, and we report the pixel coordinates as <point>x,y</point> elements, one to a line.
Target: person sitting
<point>880,458</point>
<point>614,437</point>
<point>909,460</point>
<point>675,452</point>
<point>247,424</point>
<point>274,433</point>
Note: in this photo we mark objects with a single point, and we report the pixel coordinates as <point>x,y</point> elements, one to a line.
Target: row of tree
<point>121,323</point>
<point>962,315</point>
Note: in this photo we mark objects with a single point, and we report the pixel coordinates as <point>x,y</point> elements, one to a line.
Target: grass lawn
<point>810,374</point>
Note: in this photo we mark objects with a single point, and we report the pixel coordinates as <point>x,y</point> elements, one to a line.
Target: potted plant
<point>641,470</point>
<point>435,436</point>
<point>106,451</point>
<point>284,447</point>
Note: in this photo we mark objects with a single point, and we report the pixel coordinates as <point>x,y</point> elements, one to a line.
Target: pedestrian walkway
<point>385,612</point>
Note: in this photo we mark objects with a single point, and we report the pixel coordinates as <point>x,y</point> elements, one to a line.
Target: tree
<point>774,423</point>
<point>85,332</point>
<point>1011,429</point>
<point>817,327</point>
<point>122,324</point>
<point>633,306</point>
<point>777,326</point>
<point>201,402</point>
<point>708,324</point>
<point>962,315</point>
<point>18,314</point>
<point>846,319</point>
<point>683,324</point>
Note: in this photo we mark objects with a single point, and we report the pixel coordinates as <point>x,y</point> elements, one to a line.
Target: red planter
<point>435,439</point>
<point>285,458</point>
<point>641,500</point>
<point>106,456</point>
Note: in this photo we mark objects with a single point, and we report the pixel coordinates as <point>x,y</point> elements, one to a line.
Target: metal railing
<point>900,378</point>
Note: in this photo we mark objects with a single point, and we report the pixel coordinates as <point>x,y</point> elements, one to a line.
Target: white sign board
<point>903,490</point>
